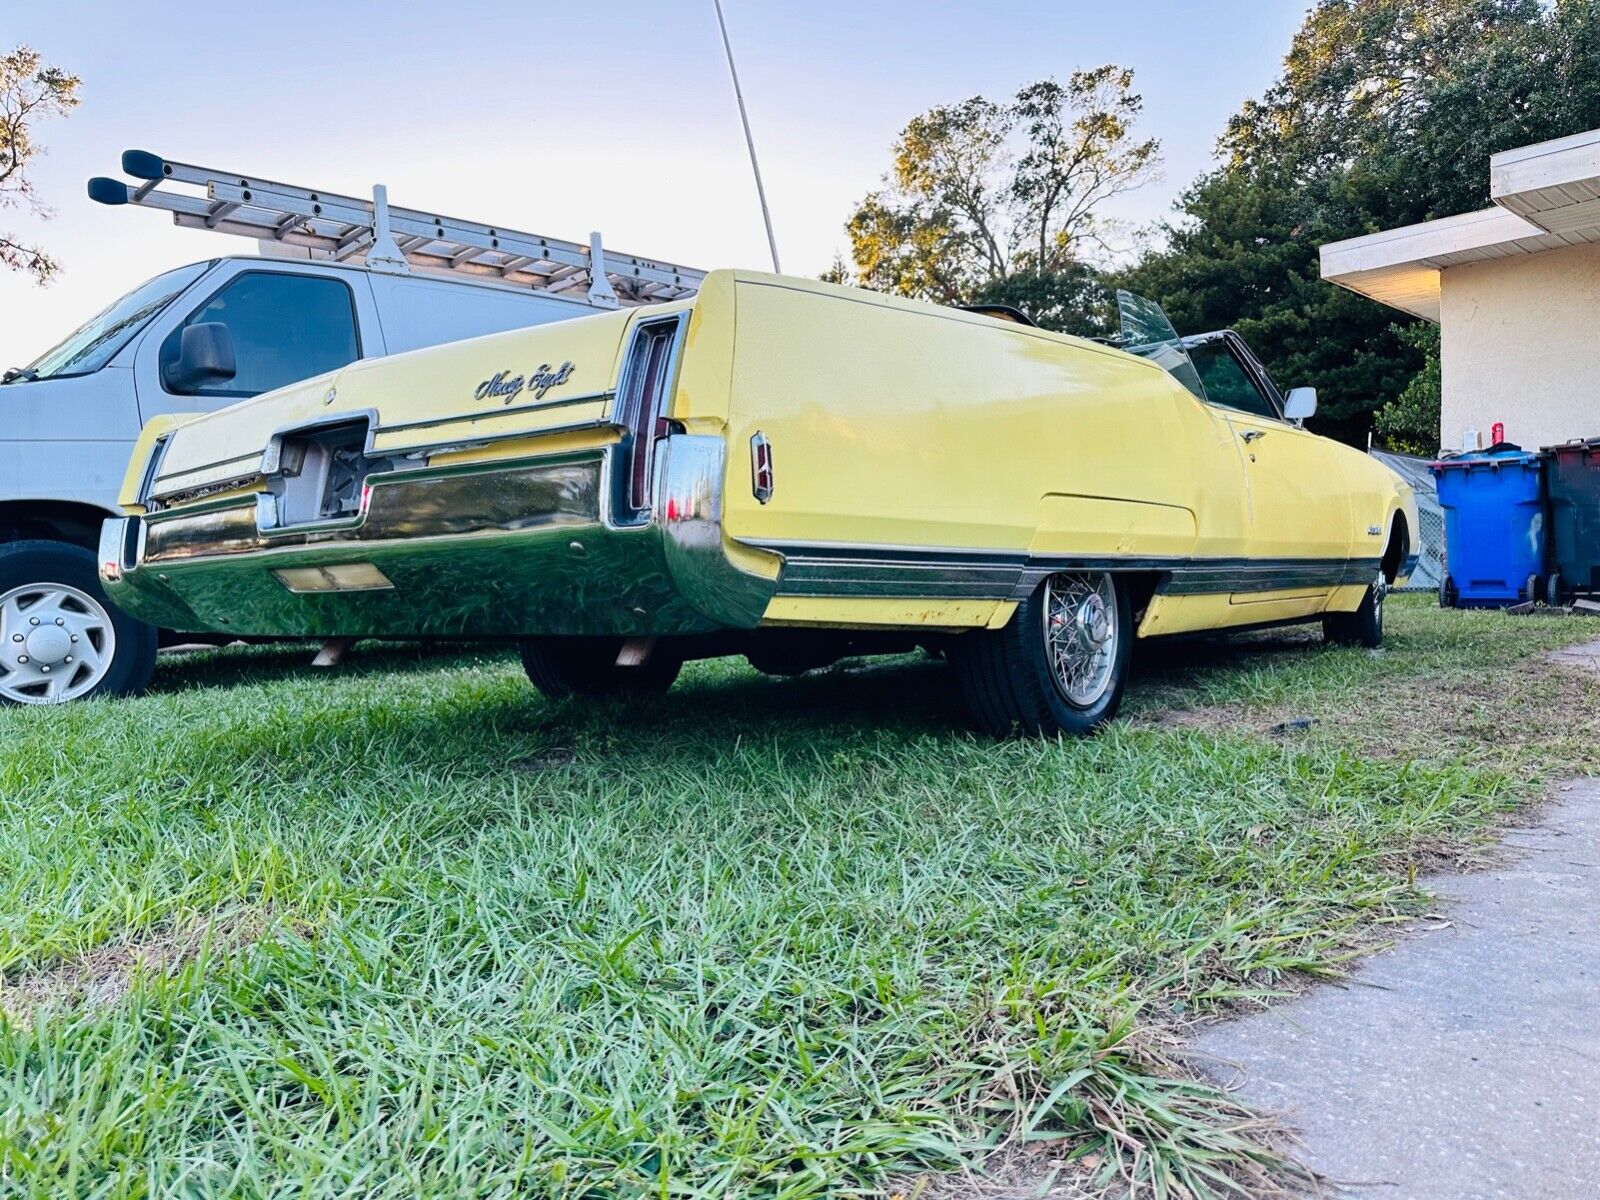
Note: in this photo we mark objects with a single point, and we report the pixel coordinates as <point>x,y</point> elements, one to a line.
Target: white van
<point>216,332</point>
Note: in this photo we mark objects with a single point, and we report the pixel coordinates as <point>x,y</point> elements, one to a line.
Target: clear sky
<point>559,118</point>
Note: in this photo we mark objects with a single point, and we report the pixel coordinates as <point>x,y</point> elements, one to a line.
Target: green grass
<point>778,938</point>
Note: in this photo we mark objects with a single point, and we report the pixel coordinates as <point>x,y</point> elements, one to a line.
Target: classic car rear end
<point>500,486</point>
<point>778,468</point>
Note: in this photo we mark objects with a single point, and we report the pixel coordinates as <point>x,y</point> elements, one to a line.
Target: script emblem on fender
<point>506,387</point>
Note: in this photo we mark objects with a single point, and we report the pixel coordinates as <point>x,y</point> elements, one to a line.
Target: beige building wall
<point>1521,344</point>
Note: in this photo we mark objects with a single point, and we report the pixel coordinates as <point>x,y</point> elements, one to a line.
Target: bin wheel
<point>1533,590</point>
<point>1553,594</point>
<point>1448,595</point>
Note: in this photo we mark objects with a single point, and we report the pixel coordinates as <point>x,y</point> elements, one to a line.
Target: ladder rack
<point>384,238</point>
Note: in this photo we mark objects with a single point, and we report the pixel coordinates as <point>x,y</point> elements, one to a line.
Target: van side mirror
<point>205,358</point>
<point>1300,403</point>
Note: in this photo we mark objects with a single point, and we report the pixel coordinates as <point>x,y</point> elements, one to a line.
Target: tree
<point>1385,114</point>
<point>1073,299</point>
<point>1410,422</point>
<point>29,91</point>
<point>980,192</point>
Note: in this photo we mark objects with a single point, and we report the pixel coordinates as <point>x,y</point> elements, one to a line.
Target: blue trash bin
<point>1494,528</point>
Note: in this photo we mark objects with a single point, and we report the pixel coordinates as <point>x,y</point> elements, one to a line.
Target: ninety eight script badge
<point>506,387</point>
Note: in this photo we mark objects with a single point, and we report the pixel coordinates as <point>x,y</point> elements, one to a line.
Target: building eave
<point>1547,196</point>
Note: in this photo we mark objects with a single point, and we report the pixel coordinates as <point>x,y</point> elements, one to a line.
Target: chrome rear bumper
<point>498,549</point>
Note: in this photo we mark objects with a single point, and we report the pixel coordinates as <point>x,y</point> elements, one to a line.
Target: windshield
<point>1147,333</point>
<point>92,345</point>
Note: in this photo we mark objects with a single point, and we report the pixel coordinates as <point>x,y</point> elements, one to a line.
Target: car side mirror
<point>205,358</point>
<point>1300,403</point>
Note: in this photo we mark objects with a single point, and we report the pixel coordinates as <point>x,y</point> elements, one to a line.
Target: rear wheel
<point>1059,666</point>
<point>587,666</point>
<point>60,638</point>
<point>1553,593</point>
<point>1448,593</point>
<point>1532,590</point>
<point>1364,627</point>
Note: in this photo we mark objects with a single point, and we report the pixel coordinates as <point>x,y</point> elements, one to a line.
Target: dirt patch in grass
<point>103,976</point>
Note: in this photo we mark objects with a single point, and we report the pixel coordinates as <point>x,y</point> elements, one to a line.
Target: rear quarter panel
<point>894,423</point>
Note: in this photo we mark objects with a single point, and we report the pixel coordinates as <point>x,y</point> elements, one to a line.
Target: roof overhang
<point>1546,196</point>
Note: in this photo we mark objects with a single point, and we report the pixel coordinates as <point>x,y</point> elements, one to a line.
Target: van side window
<point>1226,383</point>
<point>284,328</point>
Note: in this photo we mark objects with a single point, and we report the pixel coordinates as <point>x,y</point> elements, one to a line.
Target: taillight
<point>761,467</point>
<point>640,401</point>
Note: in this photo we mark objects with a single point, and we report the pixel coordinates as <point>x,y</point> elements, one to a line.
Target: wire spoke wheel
<point>56,643</point>
<point>1081,635</point>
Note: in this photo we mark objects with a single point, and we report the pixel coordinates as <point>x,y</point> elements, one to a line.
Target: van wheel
<point>587,666</point>
<point>60,638</point>
<point>1059,666</point>
<point>1364,627</point>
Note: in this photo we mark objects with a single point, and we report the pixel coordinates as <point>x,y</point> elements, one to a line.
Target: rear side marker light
<point>341,577</point>
<point>761,467</point>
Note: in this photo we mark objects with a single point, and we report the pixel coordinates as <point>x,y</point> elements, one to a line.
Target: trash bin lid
<point>1575,446</point>
<point>1502,454</point>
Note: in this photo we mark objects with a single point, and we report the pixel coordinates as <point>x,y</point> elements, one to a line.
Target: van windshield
<point>93,343</point>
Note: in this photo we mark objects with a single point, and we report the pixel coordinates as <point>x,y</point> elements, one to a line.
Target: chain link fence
<point>1430,553</point>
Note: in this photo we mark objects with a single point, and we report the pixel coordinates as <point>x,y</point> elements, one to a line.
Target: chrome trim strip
<point>468,418</point>
<point>928,572</point>
<point>152,467</point>
<point>429,449</point>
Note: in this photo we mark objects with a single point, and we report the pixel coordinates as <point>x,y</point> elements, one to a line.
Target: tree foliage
<point>982,191</point>
<point>30,91</point>
<point>1385,114</point>
<point>1410,422</point>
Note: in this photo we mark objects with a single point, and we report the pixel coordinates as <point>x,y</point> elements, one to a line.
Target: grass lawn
<point>408,929</point>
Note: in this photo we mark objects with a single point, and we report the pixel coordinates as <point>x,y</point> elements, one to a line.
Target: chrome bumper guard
<point>500,549</point>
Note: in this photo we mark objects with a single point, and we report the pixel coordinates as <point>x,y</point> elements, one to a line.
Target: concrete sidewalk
<point>1464,1063</point>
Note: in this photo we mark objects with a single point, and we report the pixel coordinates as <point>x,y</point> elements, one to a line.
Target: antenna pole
<point>744,117</point>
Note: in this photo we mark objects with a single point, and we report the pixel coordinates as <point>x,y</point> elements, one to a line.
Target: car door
<point>286,323</point>
<point>1296,493</point>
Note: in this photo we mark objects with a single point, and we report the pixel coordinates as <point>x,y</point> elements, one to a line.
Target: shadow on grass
<point>476,728</point>
<point>249,665</point>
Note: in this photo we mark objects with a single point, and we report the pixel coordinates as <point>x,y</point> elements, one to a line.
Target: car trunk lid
<point>508,385</point>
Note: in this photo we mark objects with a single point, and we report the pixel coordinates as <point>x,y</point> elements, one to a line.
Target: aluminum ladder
<point>390,239</point>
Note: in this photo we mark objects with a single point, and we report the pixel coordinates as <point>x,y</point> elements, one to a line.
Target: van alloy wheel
<point>1080,629</point>
<point>56,643</point>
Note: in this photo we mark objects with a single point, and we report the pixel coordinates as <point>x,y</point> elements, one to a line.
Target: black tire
<point>1010,685</point>
<point>587,666</point>
<point>29,564</point>
<point>1448,594</point>
<point>1532,590</point>
<point>1554,594</point>
<point>1364,627</point>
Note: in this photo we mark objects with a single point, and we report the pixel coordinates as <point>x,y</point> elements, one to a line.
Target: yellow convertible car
<point>781,469</point>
